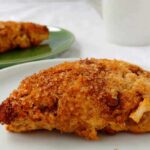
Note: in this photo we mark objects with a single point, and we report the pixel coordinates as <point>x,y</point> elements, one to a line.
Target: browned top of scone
<point>80,93</point>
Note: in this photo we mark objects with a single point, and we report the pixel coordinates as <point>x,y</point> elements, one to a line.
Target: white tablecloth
<point>81,18</point>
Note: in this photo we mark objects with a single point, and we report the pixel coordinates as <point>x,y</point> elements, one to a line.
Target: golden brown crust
<point>79,97</point>
<point>21,34</point>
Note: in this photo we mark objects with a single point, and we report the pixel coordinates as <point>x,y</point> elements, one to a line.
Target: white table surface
<point>81,18</point>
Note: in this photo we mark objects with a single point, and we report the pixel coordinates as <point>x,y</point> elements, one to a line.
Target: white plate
<point>45,140</point>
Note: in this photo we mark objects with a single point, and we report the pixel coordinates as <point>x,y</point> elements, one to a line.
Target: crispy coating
<point>21,34</point>
<point>81,97</point>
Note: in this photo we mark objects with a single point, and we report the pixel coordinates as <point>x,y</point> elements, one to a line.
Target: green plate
<point>60,40</point>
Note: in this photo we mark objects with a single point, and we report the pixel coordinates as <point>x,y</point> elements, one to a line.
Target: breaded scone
<point>21,35</point>
<point>81,97</point>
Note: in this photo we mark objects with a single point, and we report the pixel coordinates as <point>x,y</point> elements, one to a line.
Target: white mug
<point>127,22</point>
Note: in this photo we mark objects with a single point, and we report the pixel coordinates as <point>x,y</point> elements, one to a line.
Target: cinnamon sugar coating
<point>80,97</point>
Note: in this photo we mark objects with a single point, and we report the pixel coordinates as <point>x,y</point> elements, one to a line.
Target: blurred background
<point>82,18</point>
